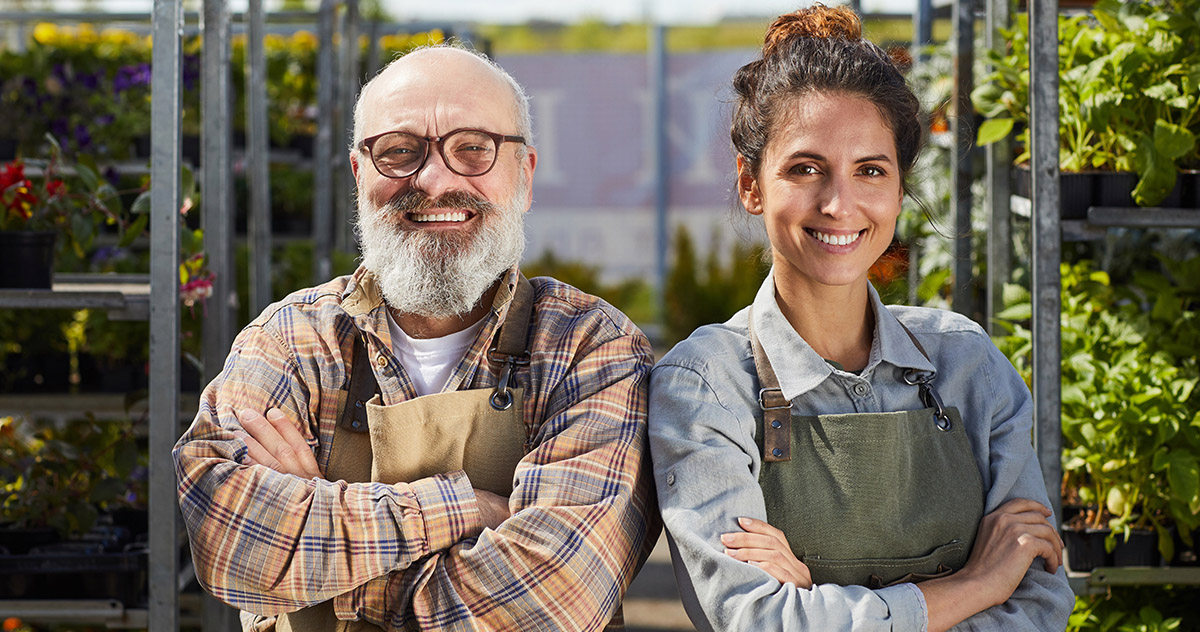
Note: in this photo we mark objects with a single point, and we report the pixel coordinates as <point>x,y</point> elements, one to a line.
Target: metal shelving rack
<point>154,297</point>
<point>1049,231</point>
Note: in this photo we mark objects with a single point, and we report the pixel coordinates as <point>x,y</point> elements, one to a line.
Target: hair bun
<point>817,21</point>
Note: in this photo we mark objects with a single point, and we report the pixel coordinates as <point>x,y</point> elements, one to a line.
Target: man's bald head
<point>443,66</point>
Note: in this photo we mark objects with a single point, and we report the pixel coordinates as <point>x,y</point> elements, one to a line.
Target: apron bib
<point>480,431</point>
<point>869,499</point>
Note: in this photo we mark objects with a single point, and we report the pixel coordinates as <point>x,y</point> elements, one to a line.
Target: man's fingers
<point>290,435</point>
<point>736,540</point>
<point>275,451</point>
<point>256,454</point>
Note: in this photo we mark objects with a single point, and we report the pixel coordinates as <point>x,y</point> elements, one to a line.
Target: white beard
<point>439,275</point>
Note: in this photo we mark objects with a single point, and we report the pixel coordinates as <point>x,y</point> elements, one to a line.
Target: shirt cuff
<point>448,509</point>
<point>906,607</point>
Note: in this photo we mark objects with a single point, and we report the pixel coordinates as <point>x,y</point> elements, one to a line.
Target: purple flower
<point>110,173</point>
<point>83,138</point>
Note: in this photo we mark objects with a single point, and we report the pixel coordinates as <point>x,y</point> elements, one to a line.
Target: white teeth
<point>456,216</point>
<point>836,240</point>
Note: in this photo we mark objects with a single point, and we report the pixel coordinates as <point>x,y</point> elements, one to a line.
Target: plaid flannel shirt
<point>416,554</point>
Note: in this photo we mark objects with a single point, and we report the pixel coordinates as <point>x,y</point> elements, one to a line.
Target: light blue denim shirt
<point>706,462</point>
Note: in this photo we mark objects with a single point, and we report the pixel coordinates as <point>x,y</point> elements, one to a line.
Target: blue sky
<point>686,11</point>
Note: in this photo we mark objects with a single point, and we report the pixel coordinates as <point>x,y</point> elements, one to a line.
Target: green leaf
<point>1018,312</point>
<point>141,205</point>
<point>993,130</point>
<point>1171,140</point>
<point>135,230</point>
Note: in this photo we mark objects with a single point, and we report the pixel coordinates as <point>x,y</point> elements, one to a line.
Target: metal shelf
<point>1099,580</point>
<point>112,614</point>
<point>123,296</point>
<point>105,406</point>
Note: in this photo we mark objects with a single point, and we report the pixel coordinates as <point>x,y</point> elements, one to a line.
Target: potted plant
<point>1131,454</point>
<point>1129,104</point>
<point>69,204</point>
<point>70,484</point>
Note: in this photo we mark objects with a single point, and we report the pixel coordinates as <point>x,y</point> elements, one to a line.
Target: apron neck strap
<point>513,337</point>
<point>776,409</point>
<point>512,342</point>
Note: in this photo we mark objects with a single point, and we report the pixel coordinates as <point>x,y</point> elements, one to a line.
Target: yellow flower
<point>45,33</point>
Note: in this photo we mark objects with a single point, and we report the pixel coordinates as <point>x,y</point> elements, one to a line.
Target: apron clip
<point>924,383</point>
<point>502,398</point>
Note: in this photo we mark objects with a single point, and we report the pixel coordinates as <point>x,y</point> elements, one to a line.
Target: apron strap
<point>363,386</point>
<point>512,342</point>
<point>776,409</point>
<point>923,380</point>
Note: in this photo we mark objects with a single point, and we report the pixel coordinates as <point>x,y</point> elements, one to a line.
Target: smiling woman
<point>824,461</point>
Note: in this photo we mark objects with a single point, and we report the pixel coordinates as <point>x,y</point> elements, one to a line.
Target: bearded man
<point>446,444</point>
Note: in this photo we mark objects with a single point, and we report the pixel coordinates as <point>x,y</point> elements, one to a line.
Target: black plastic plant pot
<point>1141,549</point>
<point>1085,549</point>
<point>76,571</point>
<point>26,259</point>
<point>18,541</point>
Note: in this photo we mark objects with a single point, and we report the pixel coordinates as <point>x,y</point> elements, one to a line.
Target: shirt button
<point>381,361</point>
<point>861,390</point>
<point>671,478</point>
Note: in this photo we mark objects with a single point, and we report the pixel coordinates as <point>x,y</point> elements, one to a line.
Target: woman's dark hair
<point>821,49</point>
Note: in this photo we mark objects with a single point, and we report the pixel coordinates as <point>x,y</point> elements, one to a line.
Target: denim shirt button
<point>671,478</point>
<point>861,390</point>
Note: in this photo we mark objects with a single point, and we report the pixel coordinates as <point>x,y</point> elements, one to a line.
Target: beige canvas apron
<point>872,499</point>
<point>479,431</point>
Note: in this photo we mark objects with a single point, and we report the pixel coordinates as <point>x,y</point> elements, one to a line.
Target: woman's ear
<point>747,188</point>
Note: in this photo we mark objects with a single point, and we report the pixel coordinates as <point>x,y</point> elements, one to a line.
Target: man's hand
<point>767,548</point>
<point>275,442</point>
<point>493,508</point>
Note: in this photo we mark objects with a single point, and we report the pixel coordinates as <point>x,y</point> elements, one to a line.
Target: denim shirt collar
<point>800,368</point>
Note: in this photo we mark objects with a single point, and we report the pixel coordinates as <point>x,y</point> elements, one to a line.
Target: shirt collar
<point>800,368</point>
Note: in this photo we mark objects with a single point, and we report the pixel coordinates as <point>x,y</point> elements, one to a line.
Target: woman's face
<point>829,189</point>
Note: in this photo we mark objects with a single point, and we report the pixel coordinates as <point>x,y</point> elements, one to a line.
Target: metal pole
<point>999,166</point>
<point>166,103</point>
<point>658,120</point>
<point>258,162</point>
<point>348,85</point>
<point>217,222</point>
<point>323,147</point>
<point>217,184</point>
<point>922,28</point>
<point>960,194</point>
<point>1047,246</point>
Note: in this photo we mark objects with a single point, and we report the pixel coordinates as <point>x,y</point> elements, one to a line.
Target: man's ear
<point>747,188</point>
<point>529,165</point>
<point>354,163</point>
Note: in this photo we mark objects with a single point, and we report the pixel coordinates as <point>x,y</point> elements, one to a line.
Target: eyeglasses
<point>467,152</point>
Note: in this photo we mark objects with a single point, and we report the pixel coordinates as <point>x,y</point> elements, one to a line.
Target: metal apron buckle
<point>502,398</point>
<point>924,383</point>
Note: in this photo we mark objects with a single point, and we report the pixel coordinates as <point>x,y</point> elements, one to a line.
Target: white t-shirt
<point>430,361</point>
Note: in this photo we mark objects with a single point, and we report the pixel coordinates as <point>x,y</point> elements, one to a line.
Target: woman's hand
<point>767,548</point>
<point>1007,542</point>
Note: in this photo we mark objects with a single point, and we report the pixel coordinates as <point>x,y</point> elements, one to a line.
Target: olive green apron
<point>869,499</point>
<point>479,431</point>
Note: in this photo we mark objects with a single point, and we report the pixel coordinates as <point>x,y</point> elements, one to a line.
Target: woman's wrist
<point>951,600</point>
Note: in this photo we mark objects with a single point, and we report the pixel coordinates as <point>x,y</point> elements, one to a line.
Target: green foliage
<point>63,477</point>
<point>634,297</point>
<point>1137,609</point>
<point>1129,94</point>
<point>710,293</point>
<point>1130,416</point>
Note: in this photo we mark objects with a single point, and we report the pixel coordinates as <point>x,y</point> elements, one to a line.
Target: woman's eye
<point>805,169</point>
<point>872,170</point>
